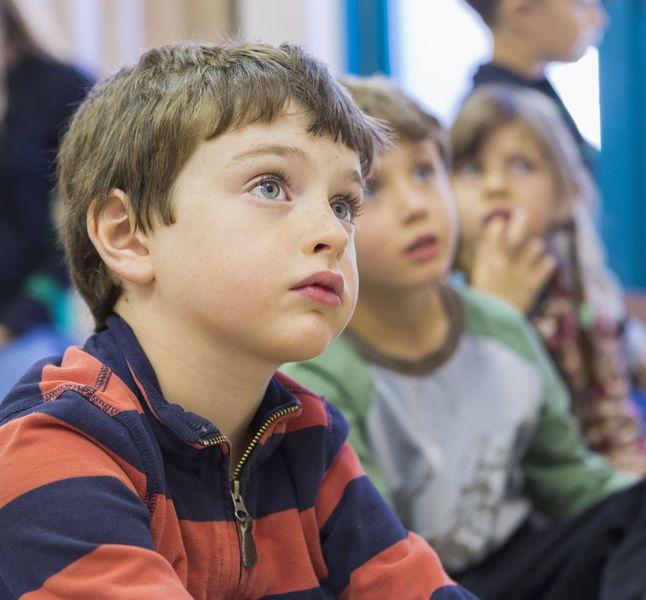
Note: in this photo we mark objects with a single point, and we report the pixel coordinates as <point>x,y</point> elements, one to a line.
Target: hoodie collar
<point>118,348</point>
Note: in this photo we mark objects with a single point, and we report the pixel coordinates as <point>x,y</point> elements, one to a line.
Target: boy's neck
<point>517,57</point>
<point>402,324</point>
<point>210,380</point>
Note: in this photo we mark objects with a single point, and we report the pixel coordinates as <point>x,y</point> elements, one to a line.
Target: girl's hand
<point>509,263</point>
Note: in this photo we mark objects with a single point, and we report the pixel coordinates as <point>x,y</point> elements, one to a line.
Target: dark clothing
<point>41,96</point>
<point>493,73</point>
<point>598,554</point>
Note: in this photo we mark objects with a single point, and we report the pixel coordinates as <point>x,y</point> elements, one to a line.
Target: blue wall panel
<point>622,170</point>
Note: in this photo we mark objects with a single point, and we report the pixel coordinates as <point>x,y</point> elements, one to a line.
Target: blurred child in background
<point>455,409</point>
<point>526,204</point>
<point>528,35</point>
<point>37,97</point>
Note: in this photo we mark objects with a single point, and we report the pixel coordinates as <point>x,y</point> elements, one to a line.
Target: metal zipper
<point>244,522</point>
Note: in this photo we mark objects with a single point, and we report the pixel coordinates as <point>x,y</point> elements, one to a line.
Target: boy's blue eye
<point>270,189</point>
<point>346,209</point>
<point>341,210</point>
<point>469,169</point>
<point>370,188</point>
<point>423,172</point>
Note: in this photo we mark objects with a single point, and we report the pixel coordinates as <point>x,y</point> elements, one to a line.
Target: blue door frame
<point>368,38</point>
<point>622,168</point>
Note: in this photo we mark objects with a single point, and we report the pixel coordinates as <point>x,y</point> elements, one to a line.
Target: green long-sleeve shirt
<point>467,442</point>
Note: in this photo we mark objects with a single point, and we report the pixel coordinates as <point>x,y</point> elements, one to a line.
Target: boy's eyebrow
<point>291,152</point>
<point>283,151</point>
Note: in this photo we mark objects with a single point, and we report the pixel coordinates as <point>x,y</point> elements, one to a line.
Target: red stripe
<point>137,572</point>
<point>345,468</point>
<point>69,453</point>
<point>214,559</point>
<point>289,553</point>
<point>389,572</point>
<point>91,378</point>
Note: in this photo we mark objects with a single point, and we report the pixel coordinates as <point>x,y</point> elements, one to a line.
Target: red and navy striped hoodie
<point>107,490</point>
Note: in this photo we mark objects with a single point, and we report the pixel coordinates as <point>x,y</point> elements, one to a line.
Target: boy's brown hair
<point>137,129</point>
<point>406,119</point>
<point>487,9</point>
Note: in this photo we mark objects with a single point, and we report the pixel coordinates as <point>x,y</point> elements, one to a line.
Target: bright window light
<point>440,43</point>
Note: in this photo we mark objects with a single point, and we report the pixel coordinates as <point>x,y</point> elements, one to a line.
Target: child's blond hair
<point>137,129</point>
<point>378,97</point>
<point>493,106</point>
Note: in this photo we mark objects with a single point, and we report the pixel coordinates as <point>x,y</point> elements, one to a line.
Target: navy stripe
<point>298,460</point>
<point>46,529</point>
<point>200,491</point>
<point>360,527</point>
<point>452,592</point>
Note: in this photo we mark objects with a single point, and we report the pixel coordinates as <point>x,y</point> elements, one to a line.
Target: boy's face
<point>406,235</point>
<point>509,173</point>
<point>564,29</point>
<point>261,257</point>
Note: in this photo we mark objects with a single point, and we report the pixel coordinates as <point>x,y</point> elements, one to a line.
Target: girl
<point>525,202</point>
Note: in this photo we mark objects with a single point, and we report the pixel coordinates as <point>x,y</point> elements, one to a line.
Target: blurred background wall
<point>430,47</point>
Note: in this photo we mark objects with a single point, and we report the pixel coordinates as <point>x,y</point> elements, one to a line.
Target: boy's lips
<point>498,213</point>
<point>324,288</point>
<point>424,247</point>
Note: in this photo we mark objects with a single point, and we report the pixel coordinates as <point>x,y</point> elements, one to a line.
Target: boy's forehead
<point>287,137</point>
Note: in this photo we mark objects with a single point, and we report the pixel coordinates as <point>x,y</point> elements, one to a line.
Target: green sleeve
<point>344,379</point>
<point>562,476</point>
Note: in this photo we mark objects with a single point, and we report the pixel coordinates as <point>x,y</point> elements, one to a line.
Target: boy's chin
<point>307,348</point>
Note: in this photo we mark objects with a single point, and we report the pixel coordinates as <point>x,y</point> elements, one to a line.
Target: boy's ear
<point>122,245</point>
<point>514,13</point>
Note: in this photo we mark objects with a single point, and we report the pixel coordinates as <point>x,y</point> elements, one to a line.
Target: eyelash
<point>276,176</point>
<point>355,203</point>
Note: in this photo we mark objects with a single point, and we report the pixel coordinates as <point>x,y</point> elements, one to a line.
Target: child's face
<point>406,234</point>
<point>509,173</point>
<point>564,29</point>
<point>261,257</point>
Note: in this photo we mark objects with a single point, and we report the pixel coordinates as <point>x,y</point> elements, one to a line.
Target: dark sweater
<point>42,95</point>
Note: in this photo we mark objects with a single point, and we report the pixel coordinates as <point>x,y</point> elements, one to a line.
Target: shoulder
<point>70,417</point>
<point>489,317</point>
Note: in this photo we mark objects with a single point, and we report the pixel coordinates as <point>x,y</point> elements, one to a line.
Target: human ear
<point>564,206</point>
<point>122,246</point>
<point>515,13</point>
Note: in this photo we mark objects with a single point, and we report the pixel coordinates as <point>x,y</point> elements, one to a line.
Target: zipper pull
<point>248,553</point>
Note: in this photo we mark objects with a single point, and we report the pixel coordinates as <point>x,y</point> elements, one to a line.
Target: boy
<point>530,34</point>
<point>208,197</point>
<point>454,409</point>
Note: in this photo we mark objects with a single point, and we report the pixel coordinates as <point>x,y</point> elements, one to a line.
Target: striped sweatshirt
<point>109,491</point>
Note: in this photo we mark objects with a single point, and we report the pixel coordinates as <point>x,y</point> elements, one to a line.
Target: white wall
<point>441,42</point>
<point>317,24</point>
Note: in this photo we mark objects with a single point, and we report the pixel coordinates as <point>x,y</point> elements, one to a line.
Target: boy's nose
<point>326,232</point>
<point>414,204</point>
